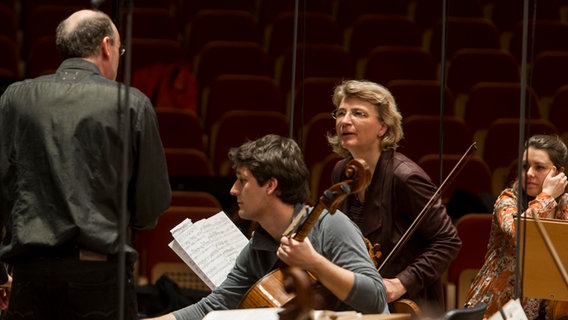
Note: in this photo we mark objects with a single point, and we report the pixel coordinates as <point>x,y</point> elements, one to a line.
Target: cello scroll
<point>358,178</point>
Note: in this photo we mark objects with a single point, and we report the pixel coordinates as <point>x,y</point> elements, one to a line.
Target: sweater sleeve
<point>227,296</point>
<point>342,243</point>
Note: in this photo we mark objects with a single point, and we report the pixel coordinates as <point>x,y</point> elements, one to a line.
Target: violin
<point>374,251</point>
<point>270,290</point>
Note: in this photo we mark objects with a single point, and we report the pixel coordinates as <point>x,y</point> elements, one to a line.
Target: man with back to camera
<point>62,150</point>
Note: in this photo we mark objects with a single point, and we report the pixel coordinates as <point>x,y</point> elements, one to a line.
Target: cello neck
<point>359,177</point>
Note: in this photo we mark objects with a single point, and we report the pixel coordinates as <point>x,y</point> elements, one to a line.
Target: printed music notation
<point>209,246</point>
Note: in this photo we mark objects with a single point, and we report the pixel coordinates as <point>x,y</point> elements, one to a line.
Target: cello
<point>270,291</point>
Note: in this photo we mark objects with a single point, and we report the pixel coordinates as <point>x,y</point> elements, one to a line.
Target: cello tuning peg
<point>329,194</point>
<point>345,188</point>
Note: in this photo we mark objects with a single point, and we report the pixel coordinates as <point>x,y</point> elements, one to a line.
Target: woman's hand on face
<point>555,183</point>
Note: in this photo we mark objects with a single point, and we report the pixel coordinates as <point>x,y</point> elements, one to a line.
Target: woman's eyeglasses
<point>355,114</point>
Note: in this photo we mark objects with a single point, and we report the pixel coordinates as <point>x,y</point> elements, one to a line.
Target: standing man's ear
<point>106,47</point>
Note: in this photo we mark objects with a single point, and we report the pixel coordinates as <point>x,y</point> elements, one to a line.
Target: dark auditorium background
<point>220,71</point>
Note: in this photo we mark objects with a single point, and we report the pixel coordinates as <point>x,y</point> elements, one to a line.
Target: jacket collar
<point>376,194</point>
<point>78,64</point>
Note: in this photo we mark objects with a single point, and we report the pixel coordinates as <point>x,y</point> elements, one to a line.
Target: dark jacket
<point>398,192</point>
<point>62,147</point>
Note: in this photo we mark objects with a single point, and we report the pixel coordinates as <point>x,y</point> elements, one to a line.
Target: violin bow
<point>422,214</point>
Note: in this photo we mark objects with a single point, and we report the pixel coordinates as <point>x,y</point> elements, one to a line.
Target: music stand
<point>541,276</point>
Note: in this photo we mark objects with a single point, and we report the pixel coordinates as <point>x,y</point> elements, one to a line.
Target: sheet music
<point>209,247</point>
<point>244,314</point>
<point>228,238</point>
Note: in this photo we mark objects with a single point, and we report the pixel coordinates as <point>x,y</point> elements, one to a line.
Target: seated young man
<point>271,188</point>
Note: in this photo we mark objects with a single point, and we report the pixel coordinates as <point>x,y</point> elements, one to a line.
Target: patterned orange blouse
<point>494,284</point>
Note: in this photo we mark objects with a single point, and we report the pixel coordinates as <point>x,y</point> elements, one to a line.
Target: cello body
<point>268,292</point>
<point>271,292</point>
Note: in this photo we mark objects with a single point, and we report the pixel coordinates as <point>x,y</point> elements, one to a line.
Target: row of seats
<point>316,26</point>
<point>353,58</point>
<point>425,12</point>
<point>234,128</point>
<point>485,103</point>
<point>385,65</point>
<point>492,162</point>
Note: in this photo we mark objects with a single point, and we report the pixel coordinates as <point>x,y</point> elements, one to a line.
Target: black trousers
<point>66,287</point>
